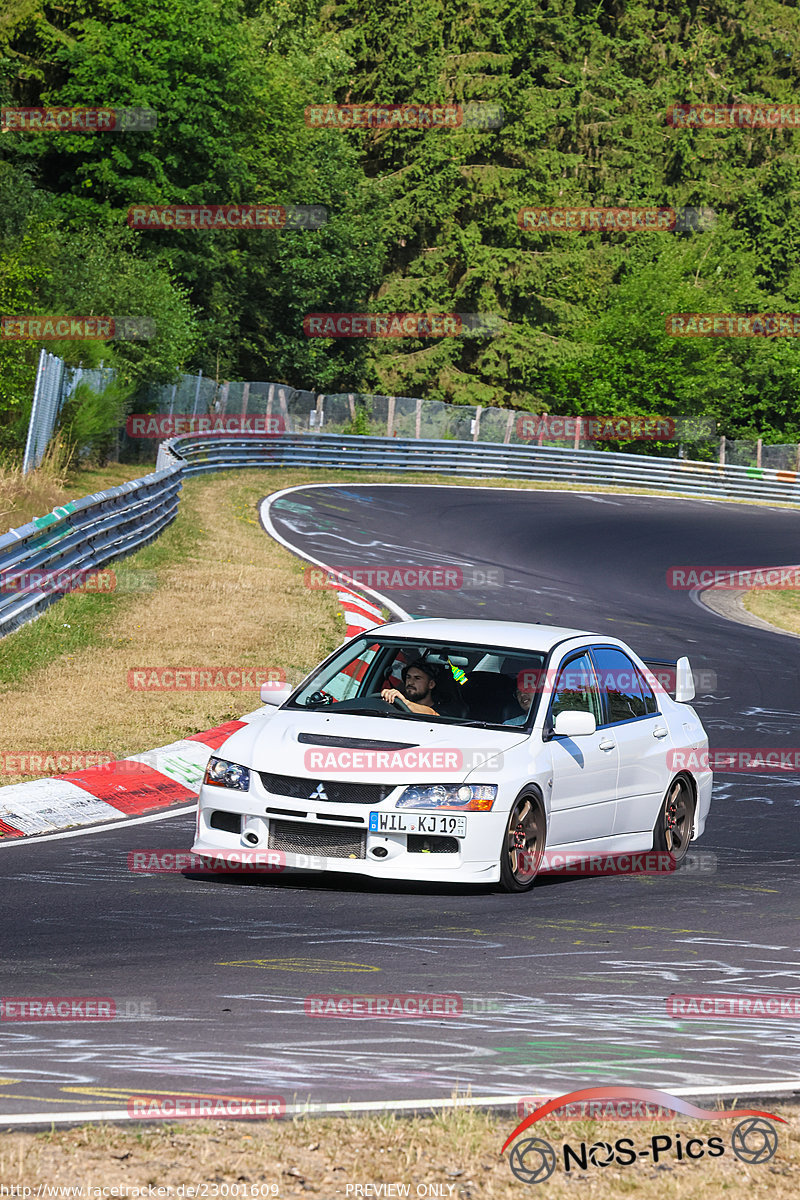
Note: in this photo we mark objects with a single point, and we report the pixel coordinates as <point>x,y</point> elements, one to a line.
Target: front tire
<point>673,830</point>
<point>523,844</point>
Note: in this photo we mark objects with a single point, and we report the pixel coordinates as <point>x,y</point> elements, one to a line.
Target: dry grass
<point>23,497</point>
<point>779,608</point>
<point>455,1155</point>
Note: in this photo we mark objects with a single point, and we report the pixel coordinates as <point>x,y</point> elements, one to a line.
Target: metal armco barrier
<point>88,533</point>
<point>80,537</point>
<point>679,477</point>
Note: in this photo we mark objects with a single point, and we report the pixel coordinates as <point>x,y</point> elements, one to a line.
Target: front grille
<point>336,791</point>
<point>294,838</point>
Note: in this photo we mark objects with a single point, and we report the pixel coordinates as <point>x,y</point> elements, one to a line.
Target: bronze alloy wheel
<point>673,831</point>
<point>523,845</point>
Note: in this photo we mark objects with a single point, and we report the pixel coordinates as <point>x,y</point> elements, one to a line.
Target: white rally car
<point>532,738</point>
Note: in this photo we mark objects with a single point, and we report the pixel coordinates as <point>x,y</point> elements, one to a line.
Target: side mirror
<point>275,693</point>
<point>684,681</point>
<point>574,724</point>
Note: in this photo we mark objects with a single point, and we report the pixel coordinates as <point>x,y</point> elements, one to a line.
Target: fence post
<point>758,452</point>
<point>476,428</point>
<point>352,405</point>
<point>320,415</point>
<point>578,428</point>
<point>246,398</point>
<point>197,394</point>
<point>722,450</point>
<point>509,427</point>
<point>418,422</point>
<point>37,388</point>
<point>390,417</point>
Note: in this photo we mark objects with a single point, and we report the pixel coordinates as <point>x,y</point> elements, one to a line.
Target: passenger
<point>525,693</point>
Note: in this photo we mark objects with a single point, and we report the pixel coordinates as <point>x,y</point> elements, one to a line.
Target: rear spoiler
<point>675,677</point>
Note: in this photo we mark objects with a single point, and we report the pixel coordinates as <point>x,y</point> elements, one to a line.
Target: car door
<point>584,768</point>
<point>641,733</point>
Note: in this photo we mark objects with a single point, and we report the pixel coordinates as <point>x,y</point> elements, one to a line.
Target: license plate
<point>393,822</point>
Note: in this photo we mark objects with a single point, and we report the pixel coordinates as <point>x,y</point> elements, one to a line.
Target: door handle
<point>660,732</point>
<point>608,745</point>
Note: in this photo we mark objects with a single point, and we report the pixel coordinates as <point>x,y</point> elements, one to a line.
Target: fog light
<point>251,838</point>
<point>380,852</point>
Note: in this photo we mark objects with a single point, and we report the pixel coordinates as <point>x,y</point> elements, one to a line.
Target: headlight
<point>469,797</point>
<point>222,773</point>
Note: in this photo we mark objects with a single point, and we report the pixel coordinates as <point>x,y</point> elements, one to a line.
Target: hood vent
<point>350,743</point>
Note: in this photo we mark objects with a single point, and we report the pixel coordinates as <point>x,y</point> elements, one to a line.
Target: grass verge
<point>778,608</point>
<point>454,1155</point>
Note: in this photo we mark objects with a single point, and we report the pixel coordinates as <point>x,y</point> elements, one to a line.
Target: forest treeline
<point>418,219</point>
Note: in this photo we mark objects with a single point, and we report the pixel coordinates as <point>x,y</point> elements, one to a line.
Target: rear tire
<point>523,844</point>
<point>673,830</point>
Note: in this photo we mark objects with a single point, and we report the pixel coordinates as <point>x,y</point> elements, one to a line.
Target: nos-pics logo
<point>753,1140</point>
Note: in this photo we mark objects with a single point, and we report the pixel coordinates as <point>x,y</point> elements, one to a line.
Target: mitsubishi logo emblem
<point>319,793</point>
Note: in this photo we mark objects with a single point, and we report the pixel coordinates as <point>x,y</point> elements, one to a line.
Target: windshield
<point>457,684</point>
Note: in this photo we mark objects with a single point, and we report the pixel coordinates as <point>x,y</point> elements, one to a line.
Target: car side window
<point>650,702</point>
<point>576,689</point>
<point>621,685</point>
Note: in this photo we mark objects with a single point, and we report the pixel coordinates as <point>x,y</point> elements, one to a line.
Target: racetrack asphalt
<point>563,987</point>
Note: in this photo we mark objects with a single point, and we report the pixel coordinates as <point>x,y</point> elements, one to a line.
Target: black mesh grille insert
<point>294,838</point>
<point>336,791</point>
<point>230,822</point>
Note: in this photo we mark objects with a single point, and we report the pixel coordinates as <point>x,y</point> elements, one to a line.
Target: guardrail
<point>80,537</point>
<point>88,533</point>
<point>680,477</point>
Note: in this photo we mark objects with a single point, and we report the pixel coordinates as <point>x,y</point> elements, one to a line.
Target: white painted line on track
<point>266,521</point>
<point>36,839</point>
<point>749,1090</point>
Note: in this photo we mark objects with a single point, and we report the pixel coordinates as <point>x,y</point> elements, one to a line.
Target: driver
<point>419,683</point>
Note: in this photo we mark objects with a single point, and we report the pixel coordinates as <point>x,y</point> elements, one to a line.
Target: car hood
<point>315,745</point>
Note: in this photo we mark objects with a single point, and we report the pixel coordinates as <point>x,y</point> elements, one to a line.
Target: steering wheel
<point>400,703</point>
<point>318,699</point>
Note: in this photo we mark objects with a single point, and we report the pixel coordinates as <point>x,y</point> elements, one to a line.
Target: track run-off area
<point>563,987</point>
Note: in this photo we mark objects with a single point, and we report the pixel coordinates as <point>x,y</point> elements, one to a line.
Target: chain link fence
<point>55,383</point>
<point>301,411</point>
